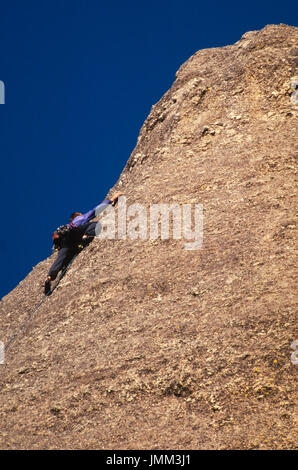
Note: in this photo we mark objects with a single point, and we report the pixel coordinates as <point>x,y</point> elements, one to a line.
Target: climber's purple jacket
<point>82,219</point>
<point>69,245</point>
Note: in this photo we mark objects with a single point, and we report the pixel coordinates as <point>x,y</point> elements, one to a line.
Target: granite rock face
<point>145,344</point>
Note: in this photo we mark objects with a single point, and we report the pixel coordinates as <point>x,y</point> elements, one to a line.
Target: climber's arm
<point>82,219</point>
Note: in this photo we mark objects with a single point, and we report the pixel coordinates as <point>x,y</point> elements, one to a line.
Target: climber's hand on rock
<point>115,197</point>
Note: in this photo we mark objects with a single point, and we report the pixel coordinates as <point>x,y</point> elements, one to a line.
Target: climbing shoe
<point>47,287</point>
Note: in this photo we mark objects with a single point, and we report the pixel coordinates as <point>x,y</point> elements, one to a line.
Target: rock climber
<point>70,238</point>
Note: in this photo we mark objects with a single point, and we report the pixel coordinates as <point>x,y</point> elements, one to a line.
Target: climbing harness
<point>12,339</point>
<point>59,234</point>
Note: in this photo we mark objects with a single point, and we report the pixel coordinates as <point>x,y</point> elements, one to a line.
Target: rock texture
<point>145,345</point>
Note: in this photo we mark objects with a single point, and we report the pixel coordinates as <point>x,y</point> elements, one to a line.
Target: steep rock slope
<point>145,344</point>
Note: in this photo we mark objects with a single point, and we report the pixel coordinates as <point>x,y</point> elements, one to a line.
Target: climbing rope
<point>13,338</point>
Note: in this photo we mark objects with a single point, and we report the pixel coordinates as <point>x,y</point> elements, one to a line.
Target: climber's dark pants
<point>65,254</point>
<point>69,246</point>
<point>89,229</point>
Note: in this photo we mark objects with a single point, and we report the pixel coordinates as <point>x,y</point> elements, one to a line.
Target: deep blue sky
<point>81,77</point>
